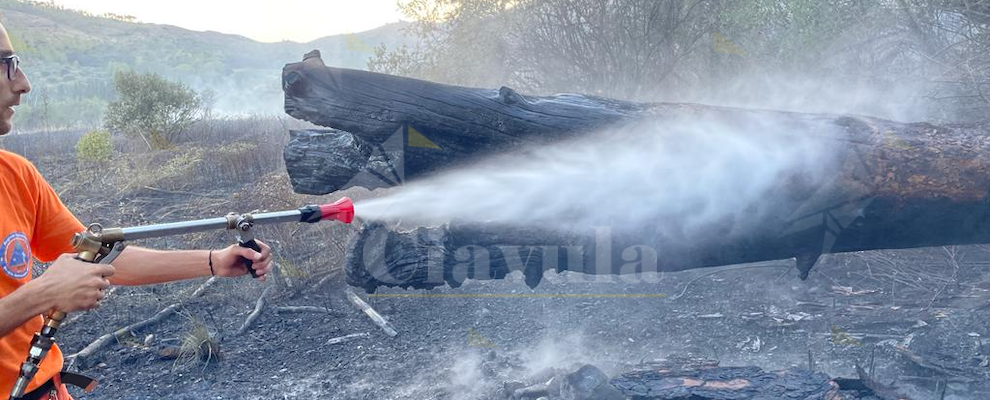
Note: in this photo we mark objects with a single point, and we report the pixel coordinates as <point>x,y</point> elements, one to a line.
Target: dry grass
<point>925,273</point>
<point>42,145</point>
<point>920,277</point>
<point>198,346</point>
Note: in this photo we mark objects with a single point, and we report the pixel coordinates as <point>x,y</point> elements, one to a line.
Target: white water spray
<point>698,171</point>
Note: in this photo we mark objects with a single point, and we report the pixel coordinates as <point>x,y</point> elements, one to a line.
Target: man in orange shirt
<point>35,224</point>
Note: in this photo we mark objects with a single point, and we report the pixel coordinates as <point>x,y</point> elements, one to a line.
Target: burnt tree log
<point>887,184</point>
<point>372,115</point>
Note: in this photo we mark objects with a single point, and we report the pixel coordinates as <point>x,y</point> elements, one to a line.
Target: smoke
<point>472,375</point>
<point>466,379</point>
<point>697,172</point>
<point>811,93</point>
<point>558,350</point>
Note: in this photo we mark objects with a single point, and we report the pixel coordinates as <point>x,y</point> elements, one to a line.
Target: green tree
<point>151,107</point>
<point>402,61</point>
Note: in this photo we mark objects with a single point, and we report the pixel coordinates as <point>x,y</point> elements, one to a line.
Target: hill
<point>70,57</point>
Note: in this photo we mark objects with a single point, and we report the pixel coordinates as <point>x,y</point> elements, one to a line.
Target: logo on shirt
<point>15,255</point>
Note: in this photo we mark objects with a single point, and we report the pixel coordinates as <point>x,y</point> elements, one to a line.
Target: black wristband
<point>211,264</point>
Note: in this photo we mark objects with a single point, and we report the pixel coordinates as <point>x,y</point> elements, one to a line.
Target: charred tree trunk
<point>890,184</point>
<point>669,381</point>
<point>389,129</point>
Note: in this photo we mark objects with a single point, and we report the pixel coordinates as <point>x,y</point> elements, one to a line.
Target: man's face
<point>10,89</point>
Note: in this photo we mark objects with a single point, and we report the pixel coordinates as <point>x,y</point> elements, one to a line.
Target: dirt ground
<point>920,315</point>
<point>485,333</point>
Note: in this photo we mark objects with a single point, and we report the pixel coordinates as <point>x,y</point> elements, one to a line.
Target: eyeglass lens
<point>13,65</point>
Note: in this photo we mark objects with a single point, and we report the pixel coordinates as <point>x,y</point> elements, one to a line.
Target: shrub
<point>95,146</point>
<point>149,105</point>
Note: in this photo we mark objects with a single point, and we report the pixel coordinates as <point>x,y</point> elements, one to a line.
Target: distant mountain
<point>70,57</point>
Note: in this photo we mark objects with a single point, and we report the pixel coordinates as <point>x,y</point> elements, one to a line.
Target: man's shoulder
<point>15,163</point>
<point>13,157</point>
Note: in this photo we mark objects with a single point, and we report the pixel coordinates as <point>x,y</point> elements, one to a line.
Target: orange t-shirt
<point>33,223</point>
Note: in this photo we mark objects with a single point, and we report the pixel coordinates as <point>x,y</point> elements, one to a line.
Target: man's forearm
<point>141,266</point>
<point>21,305</point>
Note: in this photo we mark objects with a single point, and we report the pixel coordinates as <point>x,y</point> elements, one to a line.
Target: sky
<point>265,21</point>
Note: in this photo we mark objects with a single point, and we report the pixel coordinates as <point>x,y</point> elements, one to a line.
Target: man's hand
<point>74,285</point>
<point>230,261</point>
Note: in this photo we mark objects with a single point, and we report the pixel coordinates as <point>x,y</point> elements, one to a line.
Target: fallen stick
<point>342,339</point>
<point>108,338</point>
<point>202,288</point>
<point>687,285</point>
<point>105,340</point>
<point>303,309</point>
<point>323,280</point>
<point>258,307</point>
<point>371,313</point>
<point>858,336</point>
<point>75,317</point>
<point>931,365</point>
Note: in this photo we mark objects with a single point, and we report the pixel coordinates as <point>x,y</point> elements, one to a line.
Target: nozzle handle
<point>249,264</point>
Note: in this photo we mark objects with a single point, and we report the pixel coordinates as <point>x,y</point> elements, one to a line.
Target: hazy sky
<point>267,21</point>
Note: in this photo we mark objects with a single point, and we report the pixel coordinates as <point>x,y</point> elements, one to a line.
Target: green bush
<point>95,146</point>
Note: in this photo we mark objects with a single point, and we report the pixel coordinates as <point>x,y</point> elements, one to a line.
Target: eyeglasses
<point>13,64</point>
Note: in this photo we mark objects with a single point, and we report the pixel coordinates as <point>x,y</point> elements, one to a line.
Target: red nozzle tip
<point>341,210</point>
